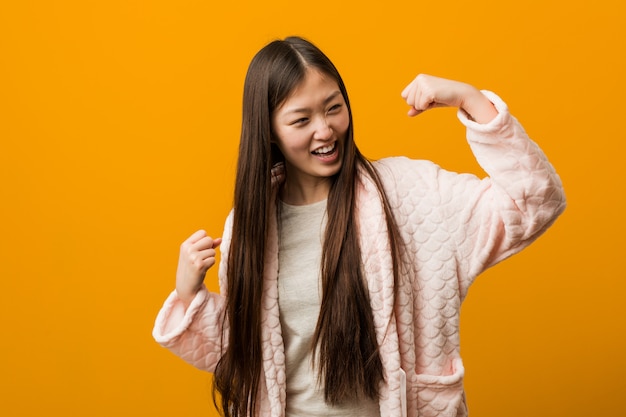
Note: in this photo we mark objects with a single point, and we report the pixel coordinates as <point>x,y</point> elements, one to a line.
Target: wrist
<point>186,296</point>
<point>478,107</point>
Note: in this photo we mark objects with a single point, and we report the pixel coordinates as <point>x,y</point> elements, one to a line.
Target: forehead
<point>314,89</point>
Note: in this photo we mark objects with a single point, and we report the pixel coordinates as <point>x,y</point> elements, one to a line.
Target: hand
<point>426,92</point>
<point>197,255</point>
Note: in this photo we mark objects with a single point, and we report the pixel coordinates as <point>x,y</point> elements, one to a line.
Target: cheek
<point>343,124</point>
<point>291,142</point>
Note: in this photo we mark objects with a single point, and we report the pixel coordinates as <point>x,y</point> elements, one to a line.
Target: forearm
<point>523,194</point>
<point>477,106</point>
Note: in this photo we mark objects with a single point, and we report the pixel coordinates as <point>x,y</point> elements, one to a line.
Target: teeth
<point>325,149</point>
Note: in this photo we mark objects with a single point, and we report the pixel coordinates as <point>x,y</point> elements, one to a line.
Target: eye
<point>300,121</point>
<point>334,108</point>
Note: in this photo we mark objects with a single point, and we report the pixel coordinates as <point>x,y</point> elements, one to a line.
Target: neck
<point>298,194</point>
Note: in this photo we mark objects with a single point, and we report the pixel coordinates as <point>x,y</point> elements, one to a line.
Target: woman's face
<point>310,130</point>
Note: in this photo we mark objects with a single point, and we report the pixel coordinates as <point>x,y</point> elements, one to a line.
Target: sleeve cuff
<point>173,320</point>
<point>496,124</point>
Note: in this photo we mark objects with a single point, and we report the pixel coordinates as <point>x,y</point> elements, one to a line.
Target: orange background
<point>119,123</point>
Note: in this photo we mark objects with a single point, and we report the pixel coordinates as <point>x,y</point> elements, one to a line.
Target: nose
<point>323,131</point>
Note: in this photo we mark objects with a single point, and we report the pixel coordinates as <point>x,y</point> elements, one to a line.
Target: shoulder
<point>395,164</point>
<point>402,173</point>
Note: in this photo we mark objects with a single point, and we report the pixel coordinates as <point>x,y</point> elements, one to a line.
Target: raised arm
<point>492,218</point>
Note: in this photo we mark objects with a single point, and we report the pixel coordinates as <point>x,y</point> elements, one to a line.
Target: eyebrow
<point>306,109</point>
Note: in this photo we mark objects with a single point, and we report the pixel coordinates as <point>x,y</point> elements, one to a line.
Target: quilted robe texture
<point>454,227</point>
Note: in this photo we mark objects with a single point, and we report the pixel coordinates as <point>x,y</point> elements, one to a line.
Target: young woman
<point>342,279</point>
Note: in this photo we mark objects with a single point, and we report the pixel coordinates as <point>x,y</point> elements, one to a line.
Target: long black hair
<point>345,338</point>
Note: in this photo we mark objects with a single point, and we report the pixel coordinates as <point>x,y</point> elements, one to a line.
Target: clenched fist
<point>426,92</point>
<point>197,255</point>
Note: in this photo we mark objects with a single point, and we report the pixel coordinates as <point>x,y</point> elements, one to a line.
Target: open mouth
<point>325,150</point>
